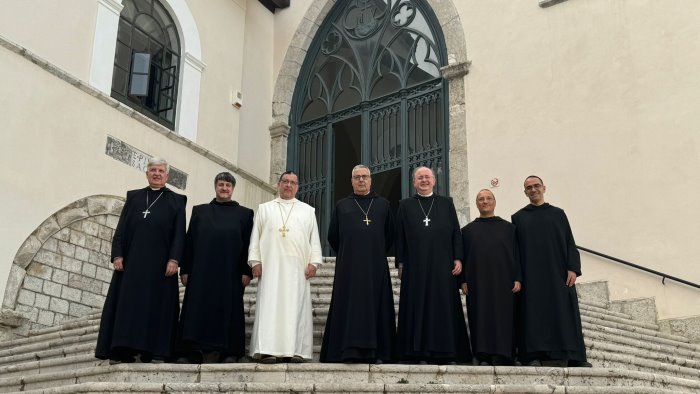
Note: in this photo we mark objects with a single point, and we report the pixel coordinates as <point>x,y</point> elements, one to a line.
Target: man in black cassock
<point>361,321</point>
<point>215,272</point>
<point>549,320</point>
<point>429,251</point>
<point>140,313</point>
<point>492,276</point>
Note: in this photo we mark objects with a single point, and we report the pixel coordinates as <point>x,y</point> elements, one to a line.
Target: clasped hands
<point>309,272</point>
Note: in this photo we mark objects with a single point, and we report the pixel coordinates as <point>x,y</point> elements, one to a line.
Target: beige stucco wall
<point>221,26</point>
<point>600,99</point>
<point>54,153</point>
<point>64,41</point>
<point>256,88</point>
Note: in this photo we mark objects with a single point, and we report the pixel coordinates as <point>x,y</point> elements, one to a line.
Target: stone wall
<point>63,268</point>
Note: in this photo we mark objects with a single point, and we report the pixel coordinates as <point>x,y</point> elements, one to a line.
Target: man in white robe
<point>285,246</point>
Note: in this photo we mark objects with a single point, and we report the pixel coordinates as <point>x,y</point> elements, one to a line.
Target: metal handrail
<point>639,267</point>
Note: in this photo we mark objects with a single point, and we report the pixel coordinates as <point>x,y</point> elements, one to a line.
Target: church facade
<point>598,98</point>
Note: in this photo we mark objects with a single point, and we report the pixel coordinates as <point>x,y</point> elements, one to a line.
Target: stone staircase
<point>628,355</point>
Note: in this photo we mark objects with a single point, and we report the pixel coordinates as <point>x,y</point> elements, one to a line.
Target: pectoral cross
<point>284,231</point>
<point>367,220</point>
<point>145,213</point>
<point>426,221</point>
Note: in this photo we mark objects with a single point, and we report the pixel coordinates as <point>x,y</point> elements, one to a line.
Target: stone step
<point>603,343</point>
<point>49,354</point>
<point>345,377</point>
<point>640,344</point>
<point>66,324</point>
<point>631,363</point>
<point>639,331</point>
<point>583,304</point>
<point>318,388</point>
<point>603,354</point>
<point>85,327</point>
<point>49,365</point>
<point>601,333</point>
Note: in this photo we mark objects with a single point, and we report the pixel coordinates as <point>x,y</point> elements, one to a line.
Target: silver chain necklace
<point>427,219</point>
<point>146,212</point>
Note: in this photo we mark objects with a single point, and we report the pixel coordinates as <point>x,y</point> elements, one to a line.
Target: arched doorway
<point>370,91</point>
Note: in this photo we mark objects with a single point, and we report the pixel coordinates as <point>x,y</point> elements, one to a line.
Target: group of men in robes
<point>223,249</point>
<point>361,320</point>
<point>520,279</point>
<point>227,245</point>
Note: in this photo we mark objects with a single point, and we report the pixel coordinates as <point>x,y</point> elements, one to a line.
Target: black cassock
<point>361,323</point>
<point>216,256</point>
<point>490,267</point>
<point>549,320</point>
<point>431,325</point>
<point>142,306</point>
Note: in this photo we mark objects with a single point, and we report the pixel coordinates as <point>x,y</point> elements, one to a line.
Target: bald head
<point>486,203</point>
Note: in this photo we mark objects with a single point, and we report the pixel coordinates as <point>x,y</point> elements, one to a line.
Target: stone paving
<point>629,356</point>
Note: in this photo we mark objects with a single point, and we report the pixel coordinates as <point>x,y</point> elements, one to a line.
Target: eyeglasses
<point>288,182</point>
<point>363,177</point>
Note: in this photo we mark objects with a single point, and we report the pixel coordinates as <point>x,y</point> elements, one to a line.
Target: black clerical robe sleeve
<point>177,243</point>
<point>188,254</point>
<point>119,236</point>
<point>334,231</point>
<point>516,269</point>
<point>464,276</point>
<point>400,238</point>
<point>389,227</point>
<point>247,231</point>
<point>573,261</point>
<point>457,248</point>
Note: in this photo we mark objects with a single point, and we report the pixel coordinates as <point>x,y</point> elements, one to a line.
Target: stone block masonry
<point>63,270</point>
<point>69,281</point>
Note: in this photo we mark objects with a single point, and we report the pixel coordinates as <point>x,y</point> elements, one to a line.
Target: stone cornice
<point>455,70</point>
<point>85,87</point>
<point>278,129</point>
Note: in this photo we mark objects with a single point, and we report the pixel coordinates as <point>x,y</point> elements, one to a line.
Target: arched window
<point>147,60</point>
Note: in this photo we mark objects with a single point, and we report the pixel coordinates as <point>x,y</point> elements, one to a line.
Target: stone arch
<point>457,68</point>
<point>63,268</point>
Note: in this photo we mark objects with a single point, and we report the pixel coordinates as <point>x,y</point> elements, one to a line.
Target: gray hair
<point>358,167</point>
<point>418,168</point>
<point>157,161</point>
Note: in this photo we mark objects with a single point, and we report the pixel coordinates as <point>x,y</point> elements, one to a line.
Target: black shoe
<point>378,361</point>
<point>580,364</point>
<point>266,359</point>
<point>422,362</point>
<point>182,360</point>
<point>297,360</point>
<point>484,364</point>
<point>534,363</point>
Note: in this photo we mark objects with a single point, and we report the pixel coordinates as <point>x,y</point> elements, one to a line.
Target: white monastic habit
<point>285,240</point>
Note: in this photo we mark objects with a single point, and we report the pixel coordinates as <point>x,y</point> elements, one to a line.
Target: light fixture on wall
<point>237,99</point>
